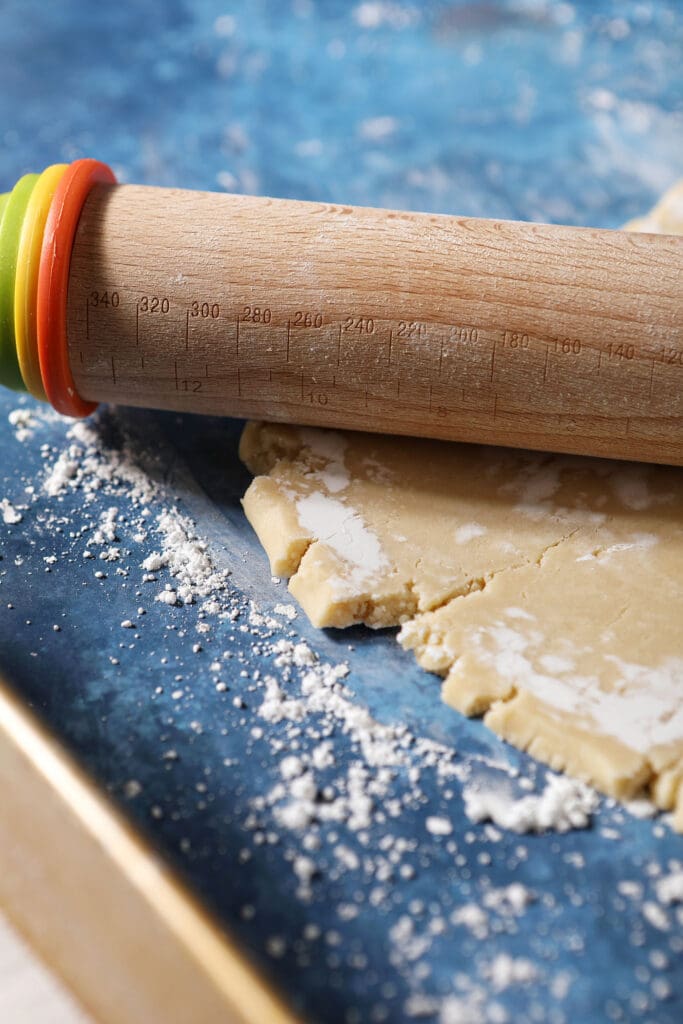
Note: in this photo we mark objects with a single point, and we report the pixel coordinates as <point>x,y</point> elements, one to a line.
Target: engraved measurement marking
<point>400,414</point>
<point>239,383</point>
<point>175,370</point>
<point>670,357</point>
<point>401,417</point>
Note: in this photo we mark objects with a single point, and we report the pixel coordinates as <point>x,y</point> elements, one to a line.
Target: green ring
<point>12,214</point>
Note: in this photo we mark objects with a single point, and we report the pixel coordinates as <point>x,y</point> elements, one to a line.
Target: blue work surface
<point>525,109</point>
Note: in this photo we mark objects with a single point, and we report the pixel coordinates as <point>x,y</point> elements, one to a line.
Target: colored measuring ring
<point>53,283</point>
<point>10,229</point>
<point>26,281</point>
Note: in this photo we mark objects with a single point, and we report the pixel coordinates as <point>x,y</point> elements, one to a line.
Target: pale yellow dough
<point>547,590</point>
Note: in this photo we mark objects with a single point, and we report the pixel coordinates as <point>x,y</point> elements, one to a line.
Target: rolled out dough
<point>547,590</point>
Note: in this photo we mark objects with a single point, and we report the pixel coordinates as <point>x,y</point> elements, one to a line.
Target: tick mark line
<point>87,319</point>
<point>175,371</point>
<point>137,324</point>
<point>187,330</point>
<point>545,365</point>
<point>113,371</point>
<point>287,352</point>
<point>237,344</point>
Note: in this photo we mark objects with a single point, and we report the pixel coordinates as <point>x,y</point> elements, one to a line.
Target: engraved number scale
<point>518,334</point>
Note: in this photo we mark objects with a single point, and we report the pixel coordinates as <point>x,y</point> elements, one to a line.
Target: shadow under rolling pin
<point>525,335</point>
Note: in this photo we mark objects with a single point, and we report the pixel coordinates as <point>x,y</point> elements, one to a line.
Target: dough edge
<point>563,742</point>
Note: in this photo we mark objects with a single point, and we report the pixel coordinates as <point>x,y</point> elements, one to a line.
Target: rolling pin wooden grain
<point>525,335</point>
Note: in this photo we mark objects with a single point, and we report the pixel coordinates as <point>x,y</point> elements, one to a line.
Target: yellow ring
<point>26,280</point>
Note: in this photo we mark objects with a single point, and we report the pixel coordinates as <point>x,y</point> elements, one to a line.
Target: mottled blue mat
<point>534,109</point>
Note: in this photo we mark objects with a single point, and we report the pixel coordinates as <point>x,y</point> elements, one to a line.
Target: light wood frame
<point>100,907</point>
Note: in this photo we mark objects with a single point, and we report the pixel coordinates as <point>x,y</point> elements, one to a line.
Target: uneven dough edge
<point>513,713</point>
<point>276,526</point>
<point>312,569</point>
<point>600,760</point>
<point>261,447</point>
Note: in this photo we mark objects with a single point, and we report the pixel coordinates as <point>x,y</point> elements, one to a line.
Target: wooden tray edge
<point>100,907</point>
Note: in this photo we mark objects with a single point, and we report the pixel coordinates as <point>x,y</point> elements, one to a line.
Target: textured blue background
<point>537,110</point>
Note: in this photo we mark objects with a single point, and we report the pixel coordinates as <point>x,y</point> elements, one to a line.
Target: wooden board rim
<point>90,895</point>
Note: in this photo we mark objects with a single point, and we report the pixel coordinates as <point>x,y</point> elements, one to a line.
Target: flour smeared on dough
<point>546,590</point>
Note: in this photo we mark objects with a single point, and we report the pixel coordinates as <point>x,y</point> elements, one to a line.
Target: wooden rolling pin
<point>526,335</point>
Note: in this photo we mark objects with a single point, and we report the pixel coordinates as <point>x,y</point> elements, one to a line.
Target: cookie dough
<point>546,590</point>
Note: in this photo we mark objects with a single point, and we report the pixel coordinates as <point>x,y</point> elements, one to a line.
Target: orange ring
<point>53,283</point>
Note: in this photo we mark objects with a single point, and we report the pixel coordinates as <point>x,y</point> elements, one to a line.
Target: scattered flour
<point>329,446</point>
<point>10,516</point>
<point>375,13</point>
<point>670,888</point>
<point>468,531</point>
<point>24,422</point>
<point>564,804</point>
<point>340,776</point>
<point>344,531</point>
<point>438,826</point>
<point>64,470</point>
<point>288,611</point>
<point>187,559</point>
<point>505,970</point>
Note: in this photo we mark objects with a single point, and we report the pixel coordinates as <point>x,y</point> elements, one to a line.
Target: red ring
<point>53,283</point>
